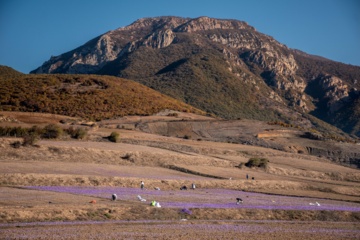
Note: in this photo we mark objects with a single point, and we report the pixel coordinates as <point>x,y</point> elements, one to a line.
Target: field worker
<point>193,186</point>
<point>114,197</point>
<point>142,185</point>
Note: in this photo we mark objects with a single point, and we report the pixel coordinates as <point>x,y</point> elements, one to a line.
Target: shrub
<point>16,144</point>
<point>187,137</point>
<point>30,140</point>
<point>13,131</point>
<point>257,162</point>
<point>18,132</point>
<point>52,131</point>
<point>114,137</point>
<point>313,135</point>
<point>36,130</point>
<point>173,115</point>
<point>78,133</point>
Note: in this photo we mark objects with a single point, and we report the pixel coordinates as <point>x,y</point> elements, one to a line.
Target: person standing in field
<point>142,185</point>
<point>114,197</point>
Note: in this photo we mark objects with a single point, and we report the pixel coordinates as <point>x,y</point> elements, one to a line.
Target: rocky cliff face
<point>87,59</point>
<point>220,57</point>
<point>336,93</point>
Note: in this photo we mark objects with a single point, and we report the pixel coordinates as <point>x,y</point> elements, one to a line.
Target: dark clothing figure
<point>239,200</point>
<point>247,176</point>
<point>114,197</point>
<point>183,188</point>
<point>142,185</point>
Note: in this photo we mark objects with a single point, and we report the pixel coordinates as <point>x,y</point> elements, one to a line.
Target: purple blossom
<point>209,198</point>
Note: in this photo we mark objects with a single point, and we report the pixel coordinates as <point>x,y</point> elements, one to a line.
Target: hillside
<point>224,67</point>
<point>87,96</point>
<point>8,72</point>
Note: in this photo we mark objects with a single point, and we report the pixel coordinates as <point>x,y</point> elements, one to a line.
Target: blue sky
<point>31,31</point>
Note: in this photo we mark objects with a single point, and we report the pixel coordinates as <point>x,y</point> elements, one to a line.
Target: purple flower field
<point>208,198</point>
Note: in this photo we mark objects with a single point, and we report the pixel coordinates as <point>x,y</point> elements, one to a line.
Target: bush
<point>173,115</point>
<point>18,132</point>
<point>30,140</point>
<point>114,137</point>
<point>78,133</point>
<point>38,131</point>
<point>257,162</point>
<point>52,131</point>
<point>16,144</point>
<point>187,137</point>
<point>13,131</point>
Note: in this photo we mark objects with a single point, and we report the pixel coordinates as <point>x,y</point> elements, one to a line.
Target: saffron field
<point>208,198</point>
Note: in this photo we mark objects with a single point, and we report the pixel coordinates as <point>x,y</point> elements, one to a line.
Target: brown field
<point>167,162</point>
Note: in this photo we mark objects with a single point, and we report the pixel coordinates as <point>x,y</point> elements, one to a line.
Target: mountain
<point>223,67</point>
<point>87,96</point>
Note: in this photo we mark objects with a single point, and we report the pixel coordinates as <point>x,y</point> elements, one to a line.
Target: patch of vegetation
<point>52,131</point>
<point>16,144</point>
<point>8,72</point>
<point>32,135</point>
<point>30,140</point>
<point>257,162</point>
<point>77,133</point>
<point>173,115</point>
<point>282,124</point>
<point>90,97</point>
<point>114,137</point>
<point>187,137</point>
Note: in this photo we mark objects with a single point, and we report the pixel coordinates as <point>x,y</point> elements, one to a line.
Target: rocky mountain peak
<point>155,23</point>
<point>206,23</point>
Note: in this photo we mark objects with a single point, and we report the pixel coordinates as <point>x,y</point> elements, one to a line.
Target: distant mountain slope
<point>87,96</point>
<point>224,67</point>
<point>8,72</point>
